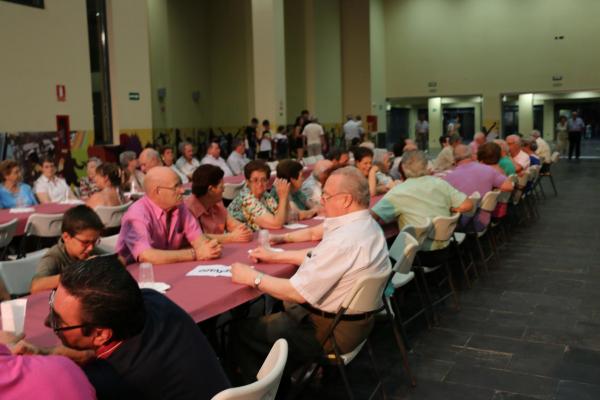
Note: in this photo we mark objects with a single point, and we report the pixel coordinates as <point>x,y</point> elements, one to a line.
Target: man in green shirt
<point>81,229</point>
<point>421,196</point>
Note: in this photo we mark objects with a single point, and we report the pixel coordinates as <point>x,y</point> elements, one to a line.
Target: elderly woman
<point>378,182</point>
<point>254,205</point>
<point>49,188</point>
<point>530,147</point>
<point>108,181</point>
<point>132,178</point>
<point>206,204</point>
<point>13,192</point>
<point>489,154</point>
<point>506,162</point>
<point>87,184</point>
<point>291,171</point>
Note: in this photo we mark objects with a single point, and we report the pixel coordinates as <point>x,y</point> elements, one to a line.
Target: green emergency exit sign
<point>134,96</point>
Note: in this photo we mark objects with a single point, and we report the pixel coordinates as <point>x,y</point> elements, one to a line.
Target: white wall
<point>40,49</point>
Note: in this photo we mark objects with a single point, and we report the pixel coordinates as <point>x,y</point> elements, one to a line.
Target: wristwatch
<point>258,279</point>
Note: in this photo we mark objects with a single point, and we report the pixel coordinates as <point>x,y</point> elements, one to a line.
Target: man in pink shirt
<point>48,377</point>
<point>159,229</point>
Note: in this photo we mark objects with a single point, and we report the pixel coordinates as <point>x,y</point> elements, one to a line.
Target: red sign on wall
<point>372,123</point>
<point>61,93</point>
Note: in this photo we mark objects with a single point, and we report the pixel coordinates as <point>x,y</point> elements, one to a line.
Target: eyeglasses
<point>259,180</point>
<point>174,188</point>
<point>52,320</point>
<point>327,197</point>
<point>87,243</point>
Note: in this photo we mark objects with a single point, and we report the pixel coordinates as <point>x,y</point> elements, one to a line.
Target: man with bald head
<point>148,159</point>
<point>313,186</point>
<point>159,229</point>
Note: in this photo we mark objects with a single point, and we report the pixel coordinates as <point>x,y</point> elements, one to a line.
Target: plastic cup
<point>146,273</point>
<point>292,216</point>
<point>263,238</point>
<point>13,315</point>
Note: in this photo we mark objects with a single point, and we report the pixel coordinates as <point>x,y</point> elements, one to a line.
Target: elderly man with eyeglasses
<point>159,228</point>
<point>81,229</point>
<point>353,247</point>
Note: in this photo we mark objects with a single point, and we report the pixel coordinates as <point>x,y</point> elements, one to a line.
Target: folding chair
<point>366,299</point>
<point>231,190</point>
<point>459,238</point>
<point>7,233</point>
<point>437,260</point>
<point>111,216</point>
<point>42,226</point>
<point>108,243</point>
<point>17,274</point>
<point>546,171</point>
<point>268,378</point>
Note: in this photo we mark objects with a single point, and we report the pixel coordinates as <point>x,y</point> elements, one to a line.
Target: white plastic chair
<point>268,378</point>
<point>475,198</point>
<point>108,243</point>
<point>272,165</point>
<point>42,226</point>
<point>231,190</point>
<point>111,216</point>
<point>419,231</point>
<point>17,274</point>
<point>7,233</point>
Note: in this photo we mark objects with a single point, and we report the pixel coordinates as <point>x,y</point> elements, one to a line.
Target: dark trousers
<point>574,144</point>
<point>252,339</point>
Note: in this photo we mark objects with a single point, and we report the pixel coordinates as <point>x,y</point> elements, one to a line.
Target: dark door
<point>398,125</point>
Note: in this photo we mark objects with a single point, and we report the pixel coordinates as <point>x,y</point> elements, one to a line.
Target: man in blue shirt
<point>576,128</point>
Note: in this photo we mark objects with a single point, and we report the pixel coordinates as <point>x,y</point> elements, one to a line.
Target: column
<point>548,131</point>
<point>491,114</point>
<point>269,61</point>
<point>525,113</point>
<point>436,128</point>
<point>377,55</point>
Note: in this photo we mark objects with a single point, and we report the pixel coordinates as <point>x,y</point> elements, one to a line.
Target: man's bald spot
<point>159,176</point>
<point>149,154</point>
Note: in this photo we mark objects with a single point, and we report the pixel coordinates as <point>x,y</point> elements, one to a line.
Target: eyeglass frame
<point>330,196</point>
<point>88,242</point>
<point>51,321</point>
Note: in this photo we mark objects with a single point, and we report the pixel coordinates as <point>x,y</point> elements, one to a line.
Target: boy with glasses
<point>81,229</point>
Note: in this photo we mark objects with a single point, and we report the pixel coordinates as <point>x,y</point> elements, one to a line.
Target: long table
<point>48,208</point>
<point>201,297</point>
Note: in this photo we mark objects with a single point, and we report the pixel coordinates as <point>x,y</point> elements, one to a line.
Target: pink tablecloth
<point>50,208</point>
<point>201,297</point>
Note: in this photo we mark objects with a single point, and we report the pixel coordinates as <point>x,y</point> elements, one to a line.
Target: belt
<point>344,317</point>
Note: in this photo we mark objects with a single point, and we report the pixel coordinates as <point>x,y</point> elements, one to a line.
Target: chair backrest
<point>111,216</point>
<point>443,227</point>
<point>7,232</point>
<point>555,157</point>
<point>403,252</point>
<point>505,196</point>
<point>533,173</point>
<point>108,243</point>
<point>366,295</point>
<point>419,231</point>
<point>475,198</point>
<point>17,274</point>
<point>231,190</point>
<point>489,201</point>
<point>272,165</point>
<point>44,225</point>
<point>269,376</point>
<point>319,157</point>
<point>309,160</point>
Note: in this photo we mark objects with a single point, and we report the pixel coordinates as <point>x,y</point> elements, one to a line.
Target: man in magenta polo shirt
<point>159,229</point>
<point>33,376</point>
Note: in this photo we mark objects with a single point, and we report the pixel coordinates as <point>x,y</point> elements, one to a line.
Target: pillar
<point>525,113</point>
<point>491,111</point>
<point>269,61</point>
<point>548,131</point>
<point>436,128</point>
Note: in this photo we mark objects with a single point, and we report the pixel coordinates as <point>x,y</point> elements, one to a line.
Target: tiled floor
<point>529,330</point>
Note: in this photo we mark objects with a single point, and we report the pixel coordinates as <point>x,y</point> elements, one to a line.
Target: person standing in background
<point>576,128</point>
<point>562,136</point>
<point>251,138</point>
<point>422,133</point>
<point>266,145</point>
<point>314,137</point>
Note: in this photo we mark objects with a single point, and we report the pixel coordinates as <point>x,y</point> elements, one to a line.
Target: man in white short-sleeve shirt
<point>49,188</point>
<point>213,157</point>
<point>314,134</point>
<point>187,163</point>
<point>353,246</point>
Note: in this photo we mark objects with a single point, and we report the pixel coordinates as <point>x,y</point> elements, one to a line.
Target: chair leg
<point>402,351</point>
<point>452,287</point>
<point>421,275</point>
<point>462,264</point>
<point>423,302</point>
<point>553,185</point>
<point>375,373</point>
<point>342,369</point>
<point>397,319</point>
<point>481,254</point>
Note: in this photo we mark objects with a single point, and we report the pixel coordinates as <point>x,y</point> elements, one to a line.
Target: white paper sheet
<point>295,226</point>
<point>211,270</point>
<point>18,210</point>
<point>72,201</point>
<point>320,217</point>
<point>273,249</point>
<point>13,315</point>
<point>158,286</point>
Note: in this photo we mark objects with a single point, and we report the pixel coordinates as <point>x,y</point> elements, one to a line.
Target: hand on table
<point>241,233</point>
<point>261,254</point>
<point>243,274</point>
<point>276,238</point>
<point>208,249</point>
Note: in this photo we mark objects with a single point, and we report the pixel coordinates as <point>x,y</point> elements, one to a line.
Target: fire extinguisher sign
<point>61,93</point>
